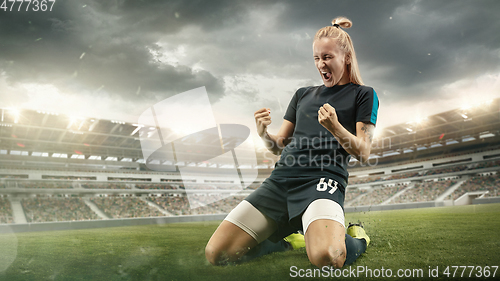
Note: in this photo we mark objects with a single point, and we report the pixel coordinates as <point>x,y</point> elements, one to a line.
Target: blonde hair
<point>345,43</point>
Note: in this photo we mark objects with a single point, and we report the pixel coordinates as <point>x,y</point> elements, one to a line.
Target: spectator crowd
<point>125,207</point>
<point>423,192</point>
<point>490,183</point>
<point>49,209</point>
<point>5,211</point>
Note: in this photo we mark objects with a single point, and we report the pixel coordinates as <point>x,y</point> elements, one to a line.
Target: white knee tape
<point>252,221</point>
<point>322,209</point>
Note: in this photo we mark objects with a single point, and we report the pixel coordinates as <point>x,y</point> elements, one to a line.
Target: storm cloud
<point>127,55</point>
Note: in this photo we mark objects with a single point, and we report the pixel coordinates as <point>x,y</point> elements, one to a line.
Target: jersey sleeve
<point>291,111</point>
<point>367,106</point>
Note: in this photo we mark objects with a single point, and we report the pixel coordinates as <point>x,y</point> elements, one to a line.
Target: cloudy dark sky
<point>114,59</point>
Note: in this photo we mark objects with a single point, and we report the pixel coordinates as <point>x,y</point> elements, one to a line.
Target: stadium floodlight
<point>73,120</point>
<point>468,138</point>
<point>14,112</point>
<point>420,120</point>
<point>486,135</point>
<point>93,125</point>
<point>138,127</point>
<point>47,112</point>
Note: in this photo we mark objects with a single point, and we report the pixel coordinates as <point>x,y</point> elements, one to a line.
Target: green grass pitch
<point>402,239</point>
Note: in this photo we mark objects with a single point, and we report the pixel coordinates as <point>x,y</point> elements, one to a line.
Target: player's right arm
<point>275,143</point>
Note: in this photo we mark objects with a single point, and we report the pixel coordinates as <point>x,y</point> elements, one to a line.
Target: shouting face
<point>331,62</point>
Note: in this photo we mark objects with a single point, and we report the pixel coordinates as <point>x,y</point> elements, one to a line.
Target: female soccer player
<point>322,127</point>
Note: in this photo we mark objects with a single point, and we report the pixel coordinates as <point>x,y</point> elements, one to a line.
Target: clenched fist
<point>327,117</point>
<point>262,119</point>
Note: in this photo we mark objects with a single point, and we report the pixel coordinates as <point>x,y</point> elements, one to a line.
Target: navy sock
<point>354,248</point>
<point>264,248</point>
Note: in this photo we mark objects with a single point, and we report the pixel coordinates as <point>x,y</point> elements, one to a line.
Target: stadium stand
<point>226,205</point>
<point>364,180</point>
<point>197,204</point>
<point>178,205</point>
<point>55,168</point>
<point>43,184</point>
<point>447,170</point>
<point>378,195</point>
<point>486,164</point>
<point>47,209</point>
<point>112,185</point>
<point>403,176</point>
<point>353,193</point>
<point>155,186</point>
<point>125,207</point>
<point>5,211</point>
<point>13,176</point>
<point>489,183</point>
<point>424,192</point>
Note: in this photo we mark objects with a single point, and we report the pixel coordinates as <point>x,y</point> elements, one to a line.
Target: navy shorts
<point>285,199</point>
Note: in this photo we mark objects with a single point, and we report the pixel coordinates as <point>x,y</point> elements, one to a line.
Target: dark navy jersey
<point>313,150</point>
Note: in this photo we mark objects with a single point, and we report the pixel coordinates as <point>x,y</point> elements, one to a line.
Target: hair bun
<point>342,22</point>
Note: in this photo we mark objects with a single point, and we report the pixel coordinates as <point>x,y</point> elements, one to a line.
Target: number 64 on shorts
<point>323,186</point>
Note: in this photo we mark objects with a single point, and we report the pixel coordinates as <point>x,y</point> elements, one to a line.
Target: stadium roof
<point>455,126</point>
<point>46,132</point>
<point>29,132</point>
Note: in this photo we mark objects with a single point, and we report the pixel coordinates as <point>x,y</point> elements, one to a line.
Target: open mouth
<point>326,75</point>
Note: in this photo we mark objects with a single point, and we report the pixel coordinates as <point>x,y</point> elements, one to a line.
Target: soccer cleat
<point>357,231</point>
<point>296,240</point>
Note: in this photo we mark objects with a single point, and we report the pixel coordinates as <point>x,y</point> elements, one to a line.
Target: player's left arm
<point>358,145</point>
